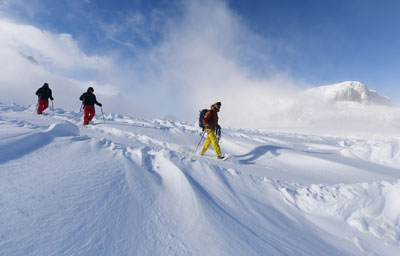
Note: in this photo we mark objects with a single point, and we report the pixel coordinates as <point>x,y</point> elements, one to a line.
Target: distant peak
<point>353,91</point>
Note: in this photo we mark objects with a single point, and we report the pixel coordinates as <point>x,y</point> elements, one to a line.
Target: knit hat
<point>90,89</point>
<point>217,104</point>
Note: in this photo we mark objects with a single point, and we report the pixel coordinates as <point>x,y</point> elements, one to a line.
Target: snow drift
<point>134,187</point>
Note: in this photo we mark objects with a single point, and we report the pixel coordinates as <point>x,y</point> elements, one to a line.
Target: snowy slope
<point>351,91</point>
<point>134,187</point>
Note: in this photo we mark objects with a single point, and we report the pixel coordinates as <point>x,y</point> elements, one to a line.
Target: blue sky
<point>334,40</point>
<point>325,41</point>
<point>322,41</point>
<point>309,42</point>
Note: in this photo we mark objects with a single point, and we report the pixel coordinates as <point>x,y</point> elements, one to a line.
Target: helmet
<point>46,85</point>
<point>90,89</point>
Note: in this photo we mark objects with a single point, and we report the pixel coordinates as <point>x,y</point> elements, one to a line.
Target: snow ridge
<point>370,208</point>
<point>135,187</point>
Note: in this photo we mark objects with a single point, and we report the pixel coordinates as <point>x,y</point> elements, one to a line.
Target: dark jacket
<point>210,120</point>
<point>89,99</point>
<point>44,93</point>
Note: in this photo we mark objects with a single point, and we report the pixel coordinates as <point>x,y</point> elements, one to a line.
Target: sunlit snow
<point>131,186</point>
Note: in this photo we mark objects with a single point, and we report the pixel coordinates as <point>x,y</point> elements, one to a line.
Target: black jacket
<point>89,99</point>
<point>44,93</point>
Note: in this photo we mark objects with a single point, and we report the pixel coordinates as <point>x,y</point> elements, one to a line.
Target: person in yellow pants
<point>211,139</point>
<point>210,122</point>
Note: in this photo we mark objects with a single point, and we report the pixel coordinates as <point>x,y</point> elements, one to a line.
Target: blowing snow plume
<point>349,107</point>
<point>209,55</point>
<point>204,58</point>
<point>351,91</point>
<point>204,54</point>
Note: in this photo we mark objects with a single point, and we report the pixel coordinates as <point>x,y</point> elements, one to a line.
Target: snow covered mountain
<point>352,91</point>
<point>129,186</point>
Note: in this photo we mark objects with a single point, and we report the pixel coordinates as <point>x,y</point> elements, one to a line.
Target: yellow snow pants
<point>211,138</point>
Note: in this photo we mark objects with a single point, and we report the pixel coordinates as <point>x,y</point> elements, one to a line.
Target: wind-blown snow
<point>130,186</point>
<point>344,109</point>
<point>352,91</point>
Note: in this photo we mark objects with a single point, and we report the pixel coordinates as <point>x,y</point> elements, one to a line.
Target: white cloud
<point>59,57</point>
<point>206,55</point>
<point>55,50</point>
<point>202,57</point>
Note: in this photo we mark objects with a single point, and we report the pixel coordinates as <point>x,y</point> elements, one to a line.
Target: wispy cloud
<point>58,50</point>
<point>133,30</point>
<point>207,55</point>
<point>29,9</point>
<point>62,63</point>
<point>210,55</point>
<point>180,64</point>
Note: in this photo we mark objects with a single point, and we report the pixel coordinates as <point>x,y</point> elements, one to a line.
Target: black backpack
<point>201,117</point>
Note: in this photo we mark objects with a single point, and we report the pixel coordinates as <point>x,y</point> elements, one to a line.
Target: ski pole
<point>80,110</point>
<point>202,135</point>
<point>52,107</point>
<point>103,114</point>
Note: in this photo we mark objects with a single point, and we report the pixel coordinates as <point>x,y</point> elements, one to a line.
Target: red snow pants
<point>88,113</point>
<point>42,105</point>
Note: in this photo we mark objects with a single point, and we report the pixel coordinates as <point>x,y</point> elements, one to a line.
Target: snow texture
<point>135,187</point>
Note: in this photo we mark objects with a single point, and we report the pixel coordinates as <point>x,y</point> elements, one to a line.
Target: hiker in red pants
<point>88,100</point>
<point>43,93</point>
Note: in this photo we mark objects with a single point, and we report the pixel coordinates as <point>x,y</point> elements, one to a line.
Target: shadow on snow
<point>258,152</point>
<point>262,150</point>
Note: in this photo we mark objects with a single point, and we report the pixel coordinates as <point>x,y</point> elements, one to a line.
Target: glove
<point>52,98</point>
<point>218,132</point>
<point>100,104</point>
